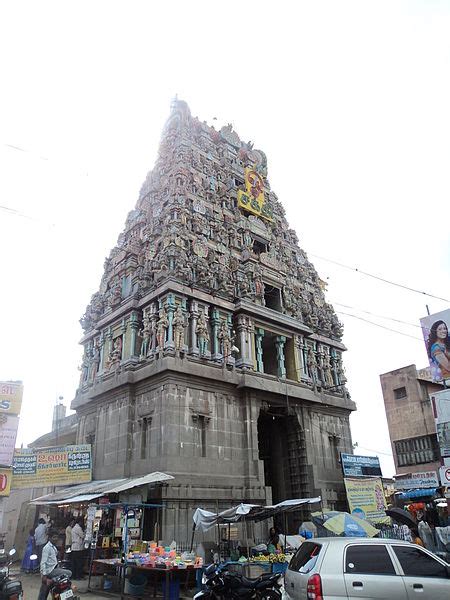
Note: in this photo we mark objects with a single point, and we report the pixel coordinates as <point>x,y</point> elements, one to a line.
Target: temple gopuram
<point>210,351</point>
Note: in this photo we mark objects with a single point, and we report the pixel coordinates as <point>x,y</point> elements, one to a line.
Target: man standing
<point>49,565</point>
<point>40,537</point>
<point>77,549</point>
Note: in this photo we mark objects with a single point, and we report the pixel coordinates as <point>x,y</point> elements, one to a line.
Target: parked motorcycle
<point>10,588</point>
<point>220,583</point>
<point>59,587</point>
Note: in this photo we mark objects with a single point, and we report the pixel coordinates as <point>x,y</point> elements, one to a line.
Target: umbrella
<point>347,525</point>
<point>319,517</point>
<point>401,516</point>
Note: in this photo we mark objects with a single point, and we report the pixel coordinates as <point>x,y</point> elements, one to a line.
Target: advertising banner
<point>8,434</point>
<point>5,481</point>
<point>34,467</point>
<point>366,499</point>
<point>440,402</point>
<point>360,466</point>
<point>426,479</point>
<point>11,393</point>
<point>435,330</point>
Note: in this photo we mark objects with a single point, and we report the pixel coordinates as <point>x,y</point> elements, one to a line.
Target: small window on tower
<point>272,297</point>
<point>259,247</point>
<point>400,393</point>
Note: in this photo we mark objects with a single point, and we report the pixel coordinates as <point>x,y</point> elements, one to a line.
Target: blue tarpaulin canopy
<point>419,493</point>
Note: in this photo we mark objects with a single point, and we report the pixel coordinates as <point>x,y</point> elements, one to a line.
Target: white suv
<point>338,567</point>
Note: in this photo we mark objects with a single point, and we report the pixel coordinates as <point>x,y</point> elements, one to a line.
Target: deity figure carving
<point>328,376</point>
<point>84,368</point>
<point>161,327</point>
<point>145,333</point>
<point>179,324</point>
<point>202,334</point>
<point>94,362</point>
<point>340,371</point>
<point>311,362</point>
<point>115,356</point>
<point>226,340</point>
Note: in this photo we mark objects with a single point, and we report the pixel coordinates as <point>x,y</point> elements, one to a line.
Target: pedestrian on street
<point>41,537</point>
<point>69,528</point>
<point>77,549</point>
<point>49,565</point>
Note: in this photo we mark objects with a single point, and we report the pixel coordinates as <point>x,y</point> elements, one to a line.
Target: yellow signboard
<point>253,199</point>
<point>366,499</point>
<point>5,481</point>
<point>11,393</point>
<point>34,467</point>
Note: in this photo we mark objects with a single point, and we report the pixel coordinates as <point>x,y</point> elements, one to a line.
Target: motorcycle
<point>220,583</point>
<point>59,587</point>
<point>10,589</point>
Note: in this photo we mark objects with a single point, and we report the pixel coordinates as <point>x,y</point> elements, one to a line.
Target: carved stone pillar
<point>215,322</point>
<point>134,326</point>
<point>153,315</point>
<point>298,357</point>
<point>170,345</point>
<point>280,341</point>
<point>244,331</point>
<point>259,334</point>
<point>193,347</point>
<point>102,352</point>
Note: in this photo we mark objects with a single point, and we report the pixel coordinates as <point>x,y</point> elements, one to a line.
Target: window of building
<point>272,297</point>
<point>416,451</point>
<point>259,247</point>
<point>201,422</point>
<point>145,436</point>
<point>369,560</point>
<point>417,563</point>
<point>400,393</point>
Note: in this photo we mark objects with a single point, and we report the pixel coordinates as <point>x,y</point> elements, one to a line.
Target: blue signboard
<point>360,466</point>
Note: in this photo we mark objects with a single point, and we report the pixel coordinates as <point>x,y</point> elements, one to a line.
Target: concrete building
<point>210,352</point>
<point>406,394</point>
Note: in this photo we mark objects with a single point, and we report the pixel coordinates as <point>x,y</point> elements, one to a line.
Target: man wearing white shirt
<point>49,565</point>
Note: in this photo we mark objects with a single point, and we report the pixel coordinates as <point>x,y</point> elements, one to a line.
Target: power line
<point>371,450</point>
<point>378,325</point>
<point>400,285</point>
<point>376,315</point>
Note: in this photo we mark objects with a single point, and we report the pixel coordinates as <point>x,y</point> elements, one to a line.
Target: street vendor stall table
<point>168,576</point>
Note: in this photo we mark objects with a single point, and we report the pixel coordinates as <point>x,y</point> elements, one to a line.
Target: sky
<point>349,100</point>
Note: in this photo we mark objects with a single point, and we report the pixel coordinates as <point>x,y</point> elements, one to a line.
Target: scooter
<point>222,584</point>
<point>10,589</point>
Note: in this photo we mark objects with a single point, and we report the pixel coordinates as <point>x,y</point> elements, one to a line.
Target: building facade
<point>406,394</point>
<point>210,352</point>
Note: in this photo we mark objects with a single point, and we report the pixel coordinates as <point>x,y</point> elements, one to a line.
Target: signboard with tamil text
<point>34,467</point>
<point>426,479</point>
<point>11,393</point>
<point>360,466</point>
<point>366,499</point>
<point>8,433</point>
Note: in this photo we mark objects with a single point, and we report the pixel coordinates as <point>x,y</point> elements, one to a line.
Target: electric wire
<point>376,315</point>
<point>400,285</point>
<point>339,312</point>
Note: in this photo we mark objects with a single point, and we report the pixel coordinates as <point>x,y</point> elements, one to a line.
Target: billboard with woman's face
<point>435,329</point>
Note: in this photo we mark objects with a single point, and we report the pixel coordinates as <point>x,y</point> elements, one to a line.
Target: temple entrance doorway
<point>282,449</point>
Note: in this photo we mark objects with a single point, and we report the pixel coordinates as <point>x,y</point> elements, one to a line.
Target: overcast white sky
<point>350,101</point>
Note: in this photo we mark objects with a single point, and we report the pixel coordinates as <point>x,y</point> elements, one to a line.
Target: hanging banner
<point>11,393</point>
<point>435,330</point>
<point>366,499</point>
<point>440,402</point>
<point>8,434</point>
<point>5,481</point>
<point>360,466</point>
<point>34,467</point>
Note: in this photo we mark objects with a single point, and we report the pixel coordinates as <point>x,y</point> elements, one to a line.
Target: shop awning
<point>205,519</point>
<point>418,493</point>
<point>85,492</point>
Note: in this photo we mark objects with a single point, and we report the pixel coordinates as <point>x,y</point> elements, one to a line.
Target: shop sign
<point>5,481</point>
<point>440,402</point>
<point>34,467</point>
<point>427,479</point>
<point>444,474</point>
<point>360,466</point>
<point>366,499</point>
<point>11,393</point>
<point>8,433</point>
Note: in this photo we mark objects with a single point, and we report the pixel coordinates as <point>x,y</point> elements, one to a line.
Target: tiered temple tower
<point>210,352</point>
